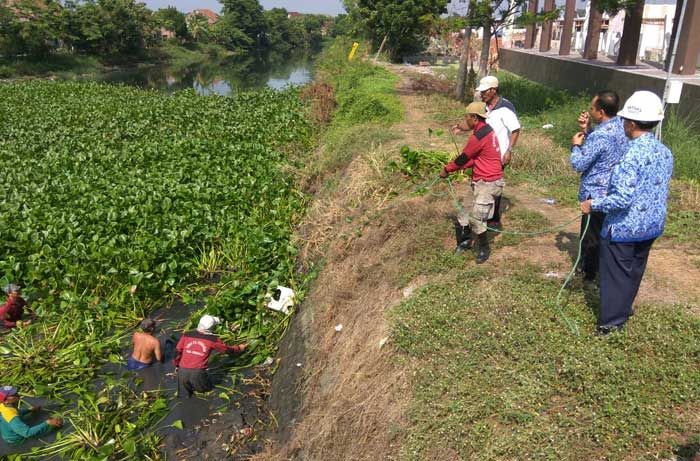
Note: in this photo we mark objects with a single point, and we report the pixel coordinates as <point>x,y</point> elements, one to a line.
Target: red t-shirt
<point>193,349</point>
<point>12,311</point>
<point>481,153</point>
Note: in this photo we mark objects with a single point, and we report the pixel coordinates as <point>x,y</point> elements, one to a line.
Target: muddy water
<point>211,424</point>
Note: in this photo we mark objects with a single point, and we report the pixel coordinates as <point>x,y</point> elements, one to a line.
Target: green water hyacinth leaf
<point>177,424</point>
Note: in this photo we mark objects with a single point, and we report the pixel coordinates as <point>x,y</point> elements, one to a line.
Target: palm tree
<point>198,26</point>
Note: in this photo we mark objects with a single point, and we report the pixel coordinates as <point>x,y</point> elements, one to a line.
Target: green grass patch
<point>501,377</point>
<point>364,92</point>
<point>682,136</point>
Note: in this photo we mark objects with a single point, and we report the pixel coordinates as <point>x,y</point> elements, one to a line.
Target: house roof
<point>207,13</point>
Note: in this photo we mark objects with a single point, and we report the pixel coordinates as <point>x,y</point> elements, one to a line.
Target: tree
<point>595,19</point>
<point>462,74</point>
<point>629,43</point>
<point>242,26</point>
<point>342,26</point>
<point>495,15</point>
<point>171,19</point>
<point>403,23</point>
<point>29,28</point>
<point>198,27</point>
<point>634,12</point>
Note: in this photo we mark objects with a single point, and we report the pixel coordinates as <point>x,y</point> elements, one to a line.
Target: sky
<point>331,7</point>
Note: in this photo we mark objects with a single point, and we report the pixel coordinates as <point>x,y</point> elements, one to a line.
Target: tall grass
<point>539,105</point>
<point>682,136</point>
<point>364,92</point>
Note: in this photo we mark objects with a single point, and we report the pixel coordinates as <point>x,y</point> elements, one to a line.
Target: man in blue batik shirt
<point>594,153</point>
<point>635,210</point>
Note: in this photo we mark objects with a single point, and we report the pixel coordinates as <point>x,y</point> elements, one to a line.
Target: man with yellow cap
<point>483,155</point>
<point>13,429</point>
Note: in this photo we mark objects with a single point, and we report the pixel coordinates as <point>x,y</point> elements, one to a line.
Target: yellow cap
<point>477,108</point>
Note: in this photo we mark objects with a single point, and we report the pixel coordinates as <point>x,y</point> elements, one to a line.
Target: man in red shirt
<point>192,355</point>
<point>12,311</point>
<point>483,155</point>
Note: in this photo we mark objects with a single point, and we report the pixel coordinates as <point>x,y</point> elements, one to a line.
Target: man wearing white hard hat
<point>192,355</point>
<point>635,210</point>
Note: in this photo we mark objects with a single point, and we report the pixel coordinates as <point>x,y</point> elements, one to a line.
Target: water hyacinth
<point>114,201</point>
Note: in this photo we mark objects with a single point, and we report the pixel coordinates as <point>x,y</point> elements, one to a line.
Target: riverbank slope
<point>404,350</point>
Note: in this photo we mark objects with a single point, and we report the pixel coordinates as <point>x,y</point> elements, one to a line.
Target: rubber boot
<point>484,250</point>
<point>464,238</point>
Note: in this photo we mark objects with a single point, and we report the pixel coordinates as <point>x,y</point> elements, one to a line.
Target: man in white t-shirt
<point>504,121</point>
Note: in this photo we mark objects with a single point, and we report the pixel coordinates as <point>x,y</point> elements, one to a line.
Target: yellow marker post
<point>355,46</point>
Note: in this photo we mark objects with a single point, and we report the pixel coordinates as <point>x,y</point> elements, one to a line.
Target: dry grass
<point>354,394</point>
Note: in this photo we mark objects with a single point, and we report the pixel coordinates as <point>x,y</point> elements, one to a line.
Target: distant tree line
<point>36,28</point>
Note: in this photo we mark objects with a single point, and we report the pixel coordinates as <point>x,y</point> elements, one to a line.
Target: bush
<point>681,136</point>
<point>364,92</point>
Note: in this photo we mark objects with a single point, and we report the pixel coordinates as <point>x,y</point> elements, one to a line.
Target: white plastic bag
<point>284,302</point>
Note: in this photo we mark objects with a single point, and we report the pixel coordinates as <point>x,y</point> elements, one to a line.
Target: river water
<point>221,78</point>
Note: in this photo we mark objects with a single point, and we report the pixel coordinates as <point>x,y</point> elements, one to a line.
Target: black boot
<point>484,250</point>
<point>464,238</point>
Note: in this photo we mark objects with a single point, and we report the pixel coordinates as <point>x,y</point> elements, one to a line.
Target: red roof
<point>207,13</point>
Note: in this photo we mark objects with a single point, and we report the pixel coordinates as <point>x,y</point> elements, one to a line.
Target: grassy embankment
<point>69,66</point>
<point>496,374</point>
<point>499,374</point>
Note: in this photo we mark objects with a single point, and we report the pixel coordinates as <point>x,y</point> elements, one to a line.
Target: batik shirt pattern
<point>635,204</point>
<point>595,159</point>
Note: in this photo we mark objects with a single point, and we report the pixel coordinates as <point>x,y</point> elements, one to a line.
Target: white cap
<point>643,106</point>
<point>487,83</point>
<point>207,322</point>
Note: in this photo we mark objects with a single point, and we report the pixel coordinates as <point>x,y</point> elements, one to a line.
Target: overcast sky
<point>331,7</point>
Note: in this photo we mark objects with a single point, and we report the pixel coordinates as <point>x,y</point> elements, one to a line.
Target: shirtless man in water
<point>146,347</point>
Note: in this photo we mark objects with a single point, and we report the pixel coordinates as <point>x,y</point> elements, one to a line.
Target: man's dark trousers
<point>591,244</point>
<point>496,212</point>
<point>622,267</point>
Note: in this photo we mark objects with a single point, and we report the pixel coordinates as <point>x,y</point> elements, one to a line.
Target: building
<point>212,18</point>
<point>654,39</point>
<point>166,34</point>
<point>457,7</point>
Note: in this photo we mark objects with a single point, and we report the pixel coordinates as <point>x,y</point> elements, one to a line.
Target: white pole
<point>671,63</point>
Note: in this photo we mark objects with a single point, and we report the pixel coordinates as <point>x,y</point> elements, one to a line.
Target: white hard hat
<point>207,322</point>
<point>487,83</point>
<point>643,106</point>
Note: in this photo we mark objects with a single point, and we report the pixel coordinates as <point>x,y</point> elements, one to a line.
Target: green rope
<point>548,230</point>
<point>571,324</point>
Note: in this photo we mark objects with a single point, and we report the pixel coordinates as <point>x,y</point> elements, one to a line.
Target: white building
<point>654,37</point>
<point>457,7</point>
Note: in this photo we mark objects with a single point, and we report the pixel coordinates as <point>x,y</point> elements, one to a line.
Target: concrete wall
<point>577,77</point>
